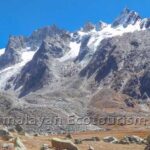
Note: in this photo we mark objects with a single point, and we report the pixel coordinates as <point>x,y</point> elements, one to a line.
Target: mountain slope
<point>67,73</point>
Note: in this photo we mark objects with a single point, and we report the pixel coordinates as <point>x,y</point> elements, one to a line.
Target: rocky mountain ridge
<point>103,65</point>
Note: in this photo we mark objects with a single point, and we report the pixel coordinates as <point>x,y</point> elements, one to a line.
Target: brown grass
<point>34,143</point>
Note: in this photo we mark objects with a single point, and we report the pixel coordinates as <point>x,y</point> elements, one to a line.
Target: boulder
<point>78,141</point>
<point>96,139</point>
<point>132,139</point>
<point>60,144</point>
<point>92,139</point>
<point>124,141</point>
<point>147,147</point>
<point>69,136</point>
<point>45,147</point>
<point>36,134</point>
<point>148,139</point>
<point>110,139</point>
<point>19,145</point>
<point>4,133</point>
<point>91,148</point>
<point>19,128</point>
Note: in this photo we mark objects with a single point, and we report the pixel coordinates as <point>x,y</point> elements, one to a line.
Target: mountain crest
<point>127,17</point>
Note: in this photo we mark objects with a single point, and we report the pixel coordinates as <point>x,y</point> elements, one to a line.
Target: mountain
<point>101,69</point>
<point>126,18</point>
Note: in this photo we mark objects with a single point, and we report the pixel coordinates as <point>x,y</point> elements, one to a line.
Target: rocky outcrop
<point>111,139</point>
<point>114,65</point>
<point>5,134</point>
<point>17,44</point>
<point>78,141</point>
<point>88,27</point>
<point>37,72</point>
<point>19,128</point>
<point>63,144</point>
<point>126,18</point>
<point>102,56</point>
<point>19,145</point>
<point>132,140</point>
<point>41,34</point>
<point>12,52</point>
<point>147,147</point>
<point>84,53</point>
<point>145,24</point>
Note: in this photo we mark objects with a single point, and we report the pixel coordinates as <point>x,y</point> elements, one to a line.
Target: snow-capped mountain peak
<point>80,71</point>
<point>127,17</point>
<point>65,46</point>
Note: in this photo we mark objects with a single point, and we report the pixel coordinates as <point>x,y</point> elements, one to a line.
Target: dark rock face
<point>9,58</point>
<point>102,62</point>
<point>39,35</point>
<point>88,27</point>
<point>145,23</point>
<point>84,50</point>
<point>17,42</point>
<point>5,103</point>
<point>132,88</point>
<point>32,77</point>
<point>147,147</point>
<point>37,72</point>
<point>53,47</point>
<point>145,82</point>
<point>138,87</point>
<point>127,17</point>
<point>122,63</point>
<point>13,50</point>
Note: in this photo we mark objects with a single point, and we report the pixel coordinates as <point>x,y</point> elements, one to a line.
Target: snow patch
<point>97,37</point>
<point>108,31</point>
<point>2,51</point>
<point>8,72</point>
<point>27,56</point>
<point>73,53</point>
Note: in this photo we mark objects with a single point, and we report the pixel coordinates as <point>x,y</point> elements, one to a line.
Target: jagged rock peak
<point>55,46</point>
<point>42,33</point>
<point>12,53</point>
<point>88,27</point>
<point>16,42</point>
<point>101,25</point>
<point>127,17</point>
<point>145,23</point>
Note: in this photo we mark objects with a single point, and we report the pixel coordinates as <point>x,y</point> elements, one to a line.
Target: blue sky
<point>21,17</point>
